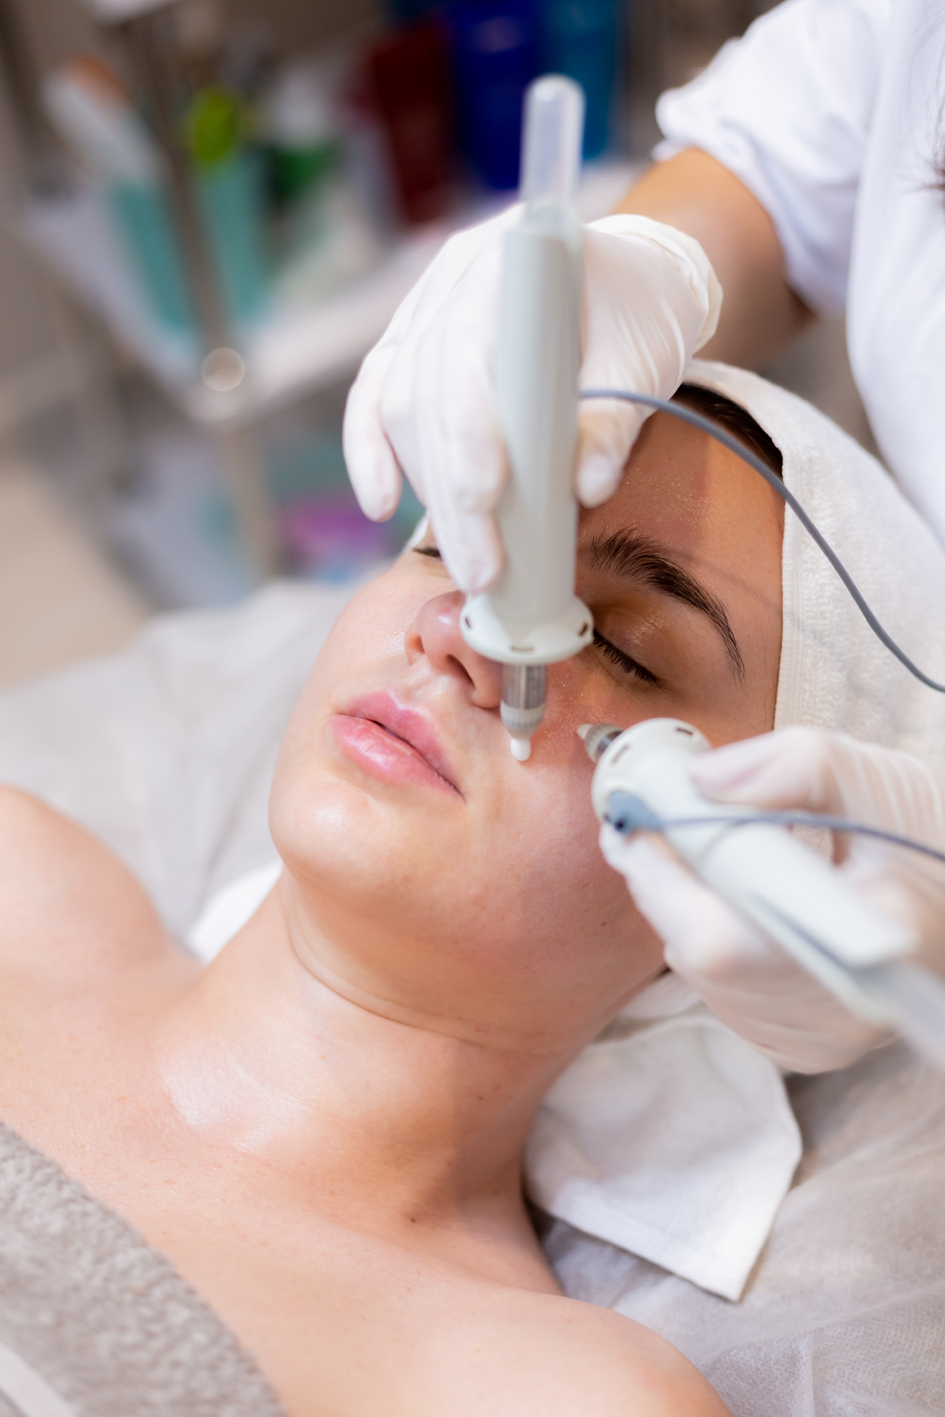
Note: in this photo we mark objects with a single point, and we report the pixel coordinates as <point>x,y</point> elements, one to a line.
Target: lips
<point>393,742</point>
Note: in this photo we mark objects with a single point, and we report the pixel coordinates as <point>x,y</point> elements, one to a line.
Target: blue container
<point>497,53</point>
<point>231,200</point>
<point>579,39</point>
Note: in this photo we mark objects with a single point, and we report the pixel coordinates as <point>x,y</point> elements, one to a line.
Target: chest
<point>338,1319</point>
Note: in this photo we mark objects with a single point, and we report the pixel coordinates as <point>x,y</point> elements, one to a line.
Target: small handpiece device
<point>531,617</point>
<point>642,782</point>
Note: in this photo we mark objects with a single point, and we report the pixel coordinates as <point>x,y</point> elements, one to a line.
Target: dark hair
<point>735,419</point>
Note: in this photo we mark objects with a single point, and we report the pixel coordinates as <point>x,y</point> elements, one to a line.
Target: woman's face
<point>442,871</point>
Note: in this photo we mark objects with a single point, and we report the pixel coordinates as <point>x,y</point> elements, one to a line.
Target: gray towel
<point>94,1322</point>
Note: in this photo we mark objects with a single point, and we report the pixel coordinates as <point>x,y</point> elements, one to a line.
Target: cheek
<point>536,878</point>
<point>581,691</point>
<point>370,629</point>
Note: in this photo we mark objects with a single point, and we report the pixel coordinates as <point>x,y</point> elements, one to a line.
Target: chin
<point>363,848</point>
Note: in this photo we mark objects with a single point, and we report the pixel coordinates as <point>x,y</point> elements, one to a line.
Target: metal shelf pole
<point>150,42</point>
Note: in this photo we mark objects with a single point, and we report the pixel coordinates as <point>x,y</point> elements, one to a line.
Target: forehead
<point>698,502</point>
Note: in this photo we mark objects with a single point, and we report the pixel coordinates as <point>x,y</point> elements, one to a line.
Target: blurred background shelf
<point>209,211</point>
<point>293,350</point>
<point>112,12</point>
<point>241,223</point>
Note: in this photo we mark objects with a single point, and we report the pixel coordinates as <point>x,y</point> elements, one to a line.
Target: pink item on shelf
<point>329,537</point>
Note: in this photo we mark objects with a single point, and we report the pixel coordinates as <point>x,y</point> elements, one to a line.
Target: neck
<point>349,1097</point>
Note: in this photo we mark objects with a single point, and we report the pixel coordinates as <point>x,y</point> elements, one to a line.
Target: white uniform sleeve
<point>788,110</point>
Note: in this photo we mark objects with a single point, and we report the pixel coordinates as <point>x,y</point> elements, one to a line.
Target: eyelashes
<point>623,661</point>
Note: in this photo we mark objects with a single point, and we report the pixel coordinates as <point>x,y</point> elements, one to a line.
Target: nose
<point>435,634</point>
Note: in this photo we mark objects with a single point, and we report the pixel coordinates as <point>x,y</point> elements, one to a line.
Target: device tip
<point>597,738</point>
<point>521,749</point>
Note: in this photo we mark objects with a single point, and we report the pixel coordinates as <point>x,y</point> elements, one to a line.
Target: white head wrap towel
<point>834,672</point>
<point>669,1136</point>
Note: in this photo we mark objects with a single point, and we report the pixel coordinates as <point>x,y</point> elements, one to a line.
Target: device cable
<point>628,813</point>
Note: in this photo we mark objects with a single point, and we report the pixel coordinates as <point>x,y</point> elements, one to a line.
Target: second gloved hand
<point>424,399</point>
<point>747,980</point>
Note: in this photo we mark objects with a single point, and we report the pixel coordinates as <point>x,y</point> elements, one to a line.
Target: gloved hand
<point>424,399</point>
<point>747,980</point>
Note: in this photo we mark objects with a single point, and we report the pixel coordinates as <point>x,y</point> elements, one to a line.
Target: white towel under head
<point>669,1136</point>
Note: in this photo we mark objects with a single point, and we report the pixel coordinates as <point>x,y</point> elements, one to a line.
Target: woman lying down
<point>321,1134</point>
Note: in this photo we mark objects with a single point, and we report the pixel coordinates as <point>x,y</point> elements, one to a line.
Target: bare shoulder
<point>65,894</point>
<point>605,1364</point>
<point>562,1358</point>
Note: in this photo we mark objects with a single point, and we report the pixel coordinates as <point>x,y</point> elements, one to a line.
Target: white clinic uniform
<point>832,112</point>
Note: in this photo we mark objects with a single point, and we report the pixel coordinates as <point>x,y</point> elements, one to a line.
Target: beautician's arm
<point>696,194</point>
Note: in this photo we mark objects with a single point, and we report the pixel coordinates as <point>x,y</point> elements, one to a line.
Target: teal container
<point>580,39</point>
<point>232,199</point>
<point>144,221</point>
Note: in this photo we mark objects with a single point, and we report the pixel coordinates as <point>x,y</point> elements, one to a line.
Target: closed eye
<point>624,661</point>
<point>610,651</point>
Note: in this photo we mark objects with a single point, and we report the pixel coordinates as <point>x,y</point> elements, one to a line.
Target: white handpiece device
<point>531,617</point>
<point>771,877</point>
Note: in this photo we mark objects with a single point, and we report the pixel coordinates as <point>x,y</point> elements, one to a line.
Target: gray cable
<point>628,813</point>
<point>687,415</point>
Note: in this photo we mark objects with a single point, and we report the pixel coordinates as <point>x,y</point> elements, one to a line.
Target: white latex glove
<point>424,399</point>
<point>747,980</point>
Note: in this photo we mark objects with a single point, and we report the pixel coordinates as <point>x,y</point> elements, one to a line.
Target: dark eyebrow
<point>633,556</point>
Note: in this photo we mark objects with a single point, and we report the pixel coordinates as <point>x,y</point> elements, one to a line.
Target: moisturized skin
<point>323,1130</point>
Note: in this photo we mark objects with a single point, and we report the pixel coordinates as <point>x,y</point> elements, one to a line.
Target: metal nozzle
<point>523,704</point>
<point>598,738</point>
